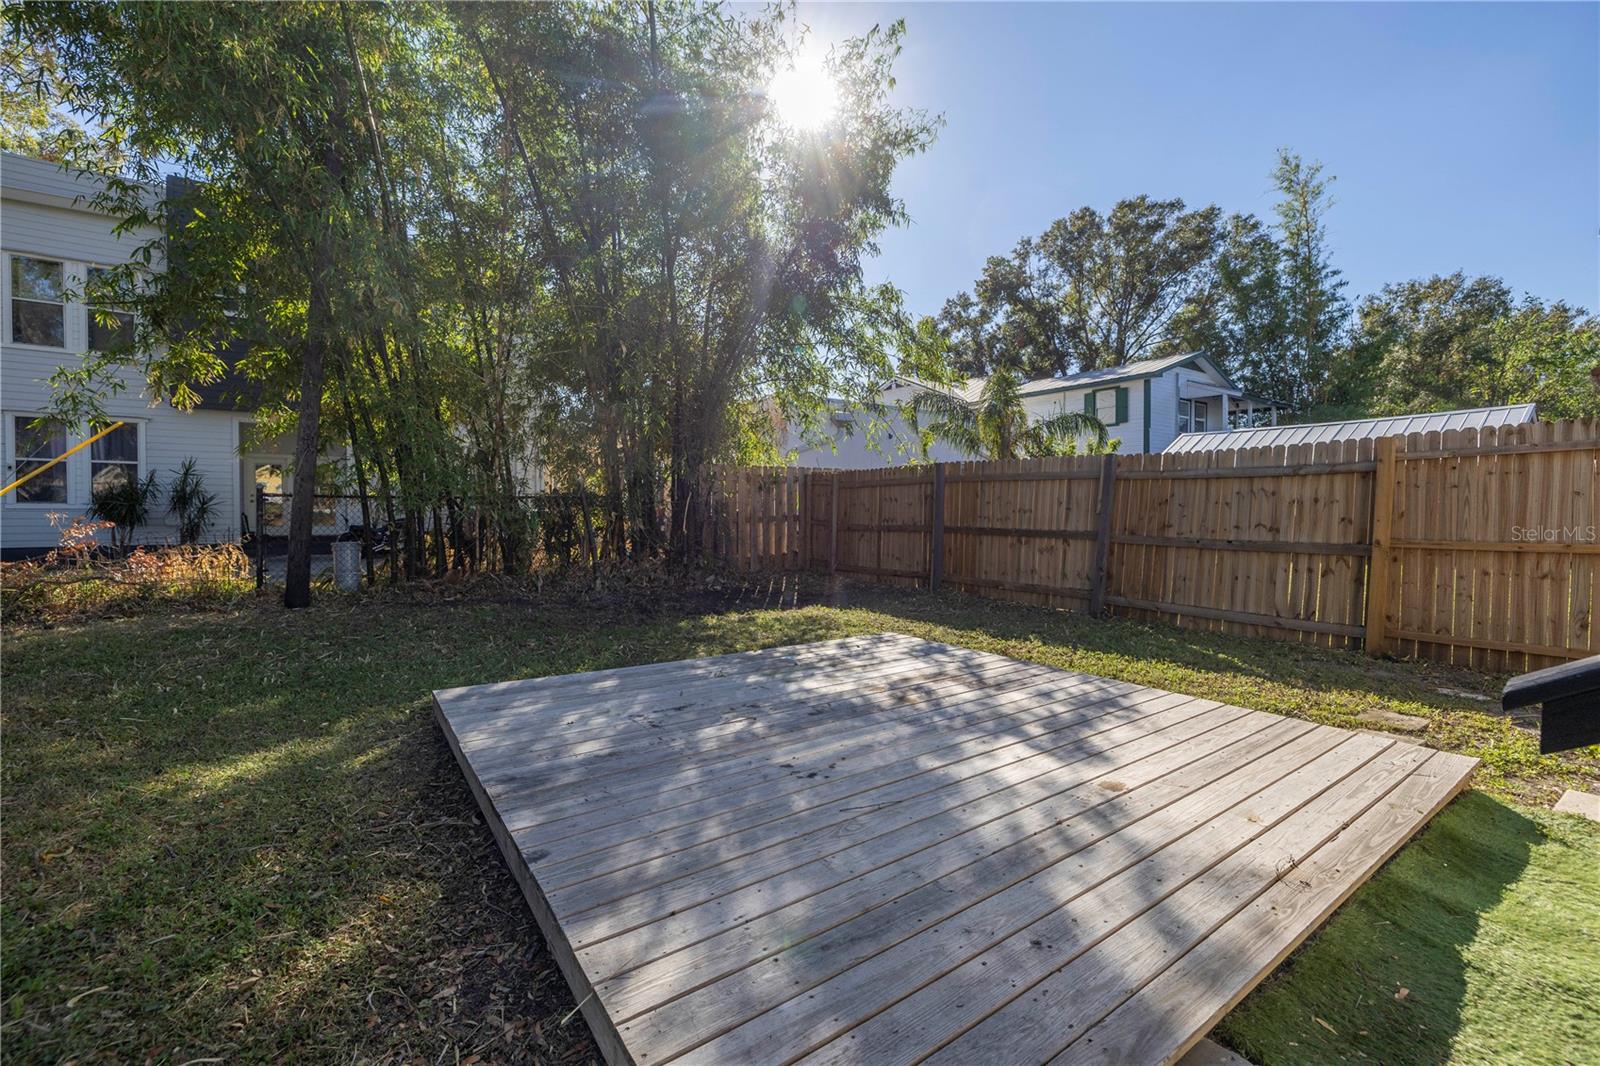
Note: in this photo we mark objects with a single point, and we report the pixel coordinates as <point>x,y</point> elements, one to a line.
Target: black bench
<point>1571,697</point>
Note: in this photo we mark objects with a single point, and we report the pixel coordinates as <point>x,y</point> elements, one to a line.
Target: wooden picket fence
<point>1470,547</point>
<point>754,518</point>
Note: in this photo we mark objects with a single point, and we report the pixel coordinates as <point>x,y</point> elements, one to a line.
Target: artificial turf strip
<point>1490,922</point>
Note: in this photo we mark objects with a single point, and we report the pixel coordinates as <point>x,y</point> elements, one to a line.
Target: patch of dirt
<point>477,984</point>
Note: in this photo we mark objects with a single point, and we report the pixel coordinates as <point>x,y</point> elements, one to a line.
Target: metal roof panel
<point>1355,429</point>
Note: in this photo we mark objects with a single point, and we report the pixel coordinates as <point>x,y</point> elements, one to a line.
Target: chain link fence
<point>365,540</point>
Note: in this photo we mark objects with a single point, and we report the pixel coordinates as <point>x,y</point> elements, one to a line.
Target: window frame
<point>1119,415</point>
<point>1194,416</point>
<point>1109,419</point>
<point>12,418</point>
<point>78,467</point>
<point>89,308</point>
<point>137,462</point>
<point>64,303</point>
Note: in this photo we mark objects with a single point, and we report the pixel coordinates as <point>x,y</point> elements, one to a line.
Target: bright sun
<point>805,96</point>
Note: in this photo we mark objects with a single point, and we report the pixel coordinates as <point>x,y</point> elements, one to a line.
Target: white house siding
<point>166,439</point>
<point>1163,410</point>
<point>1153,388</point>
<point>37,219</point>
<point>845,445</point>
<point>1129,432</point>
<point>1165,392</point>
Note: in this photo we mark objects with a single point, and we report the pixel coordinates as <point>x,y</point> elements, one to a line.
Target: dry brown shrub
<point>75,582</point>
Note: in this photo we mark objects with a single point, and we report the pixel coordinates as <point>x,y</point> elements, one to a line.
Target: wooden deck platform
<point>882,850</point>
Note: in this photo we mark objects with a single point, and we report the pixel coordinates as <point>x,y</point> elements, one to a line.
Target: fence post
<point>1102,536</point>
<point>802,521</point>
<point>261,537</point>
<point>1383,480</point>
<point>708,501</point>
<point>833,524</point>
<point>936,530</point>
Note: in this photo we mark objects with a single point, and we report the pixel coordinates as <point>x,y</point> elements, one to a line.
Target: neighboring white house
<point>51,240</point>
<point>1145,405</point>
<point>1356,429</point>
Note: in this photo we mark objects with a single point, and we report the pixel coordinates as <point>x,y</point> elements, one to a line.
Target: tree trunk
<point>314,352</point>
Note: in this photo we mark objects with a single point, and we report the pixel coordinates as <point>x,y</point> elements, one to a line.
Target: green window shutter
<point>1122,405</point>
<point>1088,402</point>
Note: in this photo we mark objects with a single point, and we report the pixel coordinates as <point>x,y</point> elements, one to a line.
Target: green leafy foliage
<point>995,424</point>
<point>1278,320</point>
<point>190,504</point>
<point>1454,341</point>
<point>476,241</point>
<point>126,504</point>
<point>1092,291</point>
<point>33,121</point>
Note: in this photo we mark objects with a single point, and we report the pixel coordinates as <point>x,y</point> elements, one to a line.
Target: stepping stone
<point>1405,723</point>
<point>1584,803</point>
<point>1210,1053</point>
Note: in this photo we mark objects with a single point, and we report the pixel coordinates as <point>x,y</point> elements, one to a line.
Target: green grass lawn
<point>238,835</point>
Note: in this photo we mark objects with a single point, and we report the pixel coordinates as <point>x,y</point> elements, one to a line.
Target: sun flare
<point>804,96</point>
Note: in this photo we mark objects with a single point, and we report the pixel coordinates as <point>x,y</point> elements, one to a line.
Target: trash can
<point>347,565</point>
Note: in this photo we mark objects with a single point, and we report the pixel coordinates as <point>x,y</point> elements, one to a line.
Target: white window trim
<point>140,469</point>
<point>71,280</point>
<point>79,465</point>
<point>75,311</point>
<point>11,460</point>
<point>1189,406</point>
<point>1112,393</point>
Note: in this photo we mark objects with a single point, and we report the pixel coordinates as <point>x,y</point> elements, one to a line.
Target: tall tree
<point>1315,313</point>
<point>702,252</point>
<point>581,236</point>
<point>257,101</point>
<point>1092,291</point>
<point>1453,341</point>
<point>1245,326</point>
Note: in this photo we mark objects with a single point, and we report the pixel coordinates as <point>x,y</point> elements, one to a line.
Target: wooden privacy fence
<point>753,517</point>
<point>1474,547</point>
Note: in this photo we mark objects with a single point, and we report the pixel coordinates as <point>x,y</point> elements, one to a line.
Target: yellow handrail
<point>75,449</point>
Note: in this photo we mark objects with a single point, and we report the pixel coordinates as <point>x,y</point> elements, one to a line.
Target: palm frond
<point>1073,425</point>
<point>933,406</point>
<point>949,419</point>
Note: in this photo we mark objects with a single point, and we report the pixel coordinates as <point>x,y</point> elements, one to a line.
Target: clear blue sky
<point>1464,137</point>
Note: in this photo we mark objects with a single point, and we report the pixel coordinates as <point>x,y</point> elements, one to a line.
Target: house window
<point>109,329</point>
<point>114,459</point>
<point>31,448</point>
<point>38,302</point>
<point>1193,416</point>
<point>1110,406</point>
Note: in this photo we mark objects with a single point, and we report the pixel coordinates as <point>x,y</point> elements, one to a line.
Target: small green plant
<point>126,505</point>
<point>190,504</point>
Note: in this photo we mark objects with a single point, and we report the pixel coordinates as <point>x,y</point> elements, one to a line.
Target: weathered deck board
<point>884,850</point>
